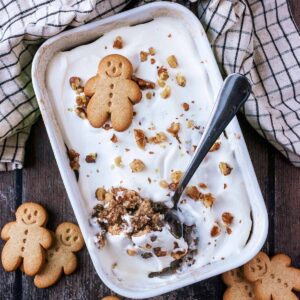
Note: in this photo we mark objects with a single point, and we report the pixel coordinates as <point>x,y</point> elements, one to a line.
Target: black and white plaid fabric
<point>254,37</point>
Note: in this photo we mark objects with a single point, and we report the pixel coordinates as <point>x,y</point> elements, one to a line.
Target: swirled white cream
<point>168,37</point>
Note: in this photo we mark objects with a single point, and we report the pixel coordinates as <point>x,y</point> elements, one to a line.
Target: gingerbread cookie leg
<point>11,258</point>
<point>121,115</point>
<point>97,112</point>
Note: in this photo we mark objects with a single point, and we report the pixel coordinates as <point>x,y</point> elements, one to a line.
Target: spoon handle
<point>233,94</point>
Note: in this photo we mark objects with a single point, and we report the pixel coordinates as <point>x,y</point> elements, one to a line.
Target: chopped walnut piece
<point>185,106</point>
<point>118,161</point>
<point>140,138</point>
<point>190,124</point>
<point>180,79</point>
<point>172,186</point>
<point>225,186</point>
<point>193,192</point>
<point>152,51</point>
<point>178,254</point>
<point>216,146</point>
<point>91,158</point>
<point>227,218</point>
<point>100,194</point>
<point>163,184</point>
<point>202,185</point>
<point>81,112</point>
<point>225,168</point>
<point>100,240</point>
<point>131,252</point>
<point>118,43</point>
<point>153,61</point>
<point>149,95</point>
<point>74,159</point>
<point>166,92</point>
<point>160,137</point>
<point>176,176</point>
<point>163,73</point>
<point>215,231</point>
<point>174,128</point>
<point>208,200</point>
<point>161,82</point>
<point>143,56</point>
<point>228,230</point>
<point>75,82</point>
<point>114,138</point>
<point>159,252</point>
<point>146,255</point>
<point>143,84</point>
<point>137,166</point>
<point>172,61</point>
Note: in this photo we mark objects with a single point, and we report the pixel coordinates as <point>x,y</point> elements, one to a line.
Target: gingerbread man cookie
<point>26,239</point>
<point>60,257</point>
<point>273,279</point>
<point>113,93</point>
<point>238,286</point>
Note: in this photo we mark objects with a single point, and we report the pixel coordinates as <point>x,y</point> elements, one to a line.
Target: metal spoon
<point>234,92</point>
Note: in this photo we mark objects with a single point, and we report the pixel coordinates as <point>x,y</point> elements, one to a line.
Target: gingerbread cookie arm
<point>45,238</point>
<point>8,230</point>
<point>90,86</point>
<point>132,90</point>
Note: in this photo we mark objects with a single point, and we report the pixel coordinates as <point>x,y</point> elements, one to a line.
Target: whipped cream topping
<point>167,37</point>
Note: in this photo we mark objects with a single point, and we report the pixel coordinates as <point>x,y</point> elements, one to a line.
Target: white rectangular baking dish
<point>88,33</point>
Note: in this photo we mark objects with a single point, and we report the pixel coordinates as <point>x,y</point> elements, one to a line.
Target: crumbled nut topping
<point>216,146</point>
<point>149,95</point>
<point>75,83</point>
<point>146,255</point>
<point>114,138</point>
<point>190,124</point>
<point>160,137</point>
<point>161,83</point>
<point>74,159</point>
<point>225,168</point>
<point>91,158</point>
<point>131,252</point>
<point>143,56</point>
<point>172,61</point>
<point>202,185</point>
<point>227,218</point>
<point>140,138</point>
<point>163,73</point>
<point>153,61</point>
<point>143,84</point>
<point>159,252</point>
<point>180,79</point>
<point>118,161</point>
<point>152,51</point>
<point>137,166</point>
<point>166,92</point>
<point>208,199</point>
<point>178,254</point>
<point>100,194</point>
<point>172,186</point>
<point>215,231</point>
<point>193,192</point>
<point>163,184</point>
<point>185,106</point>
<point>228,230</point>
<point>176,176</point>
<point>174,128</point>
<point>118,43</point>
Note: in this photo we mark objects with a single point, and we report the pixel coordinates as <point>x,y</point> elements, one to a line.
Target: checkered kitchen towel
<point>254,37</point>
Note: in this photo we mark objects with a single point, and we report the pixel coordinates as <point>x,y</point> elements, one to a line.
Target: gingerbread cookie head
<point>70,236</point>
<point>31,214</point>
<point>115,66</point>
<point>257,267</point>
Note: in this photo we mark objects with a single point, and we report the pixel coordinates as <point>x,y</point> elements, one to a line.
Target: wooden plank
<point>43,184</point>
<point>8,283</point>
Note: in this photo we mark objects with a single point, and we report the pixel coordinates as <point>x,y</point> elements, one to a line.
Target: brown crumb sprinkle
<point>163,184</point>
<point>143,84</point>
<point>114,138</point>
<point>131,252</point>
<point>216,146</point>
<point>74,159</point>
<point>202,185</point>
<point>176,176</point>
<point>152,51</point>
<point>137,166</point>
<point>228,230</point>
<point>193,192</point>
<point>118,43</point>
<point>227,218</point>
<point>172,61</point>
<point>159,252</point>
<point>215,231</point>
<point>91,158</point>
<point>75,82</point>
<point>225,168</point>
<point>118,161</point>
<point>160,137</point>
<point>163,73</point>
<point>174,128</point>
<point>143,56</point>
<point>140,138</point>
<point>185,106</point>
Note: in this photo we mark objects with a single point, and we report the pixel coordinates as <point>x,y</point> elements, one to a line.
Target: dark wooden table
<point>40,181</point>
